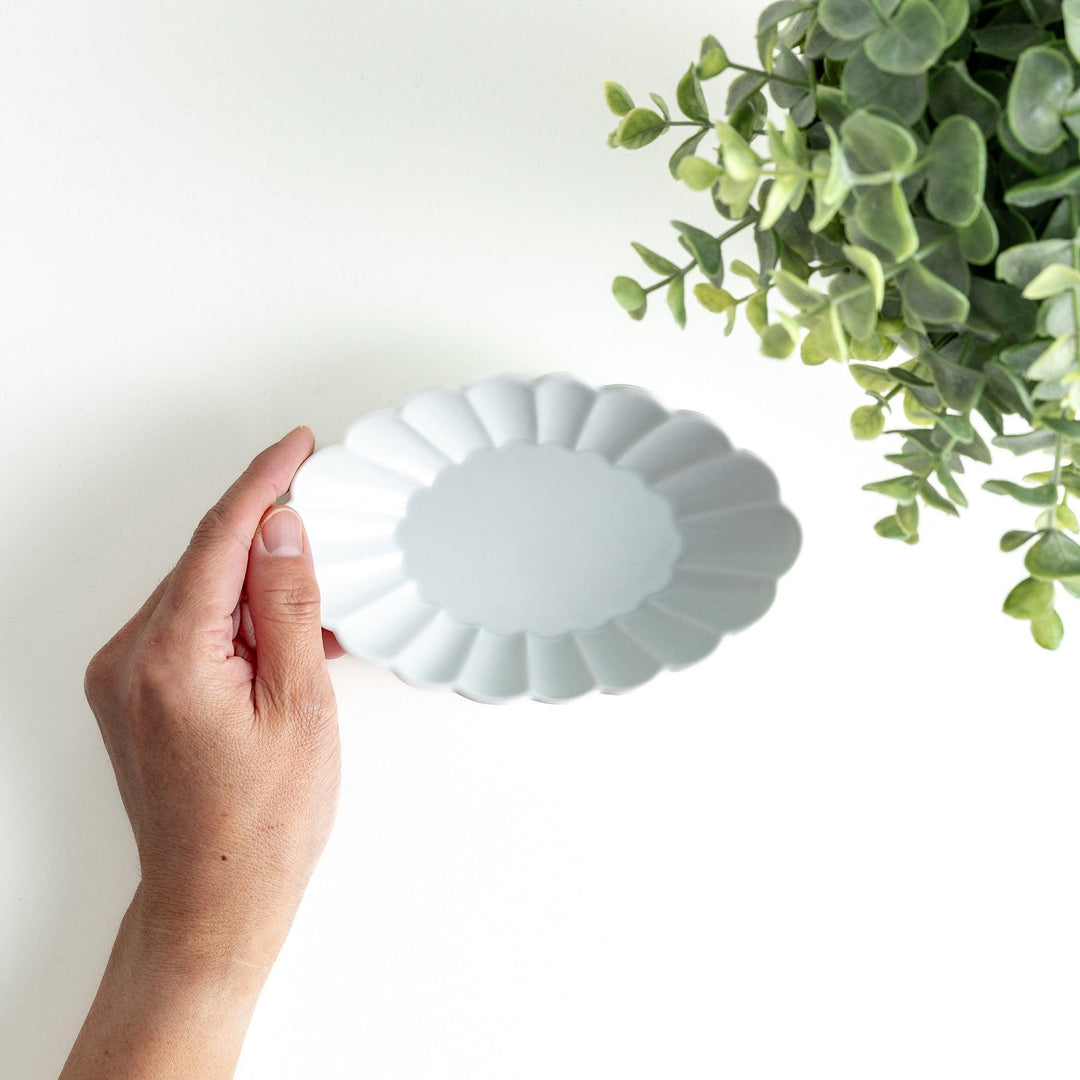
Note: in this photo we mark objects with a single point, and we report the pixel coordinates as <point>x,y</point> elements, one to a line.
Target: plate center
<point>538,538</point>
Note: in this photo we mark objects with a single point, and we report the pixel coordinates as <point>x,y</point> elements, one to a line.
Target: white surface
<point>843,846</point>
<point>539,538</point>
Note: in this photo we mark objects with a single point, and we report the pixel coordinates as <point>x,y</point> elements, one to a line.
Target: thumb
<point>283,600</point>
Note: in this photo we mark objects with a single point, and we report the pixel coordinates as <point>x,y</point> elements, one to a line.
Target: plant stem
<point>1055,479</point>
<point>745,223</point>
<point>767,77</point>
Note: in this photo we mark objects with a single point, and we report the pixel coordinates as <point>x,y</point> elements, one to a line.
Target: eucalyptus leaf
<point>1043,189</point>
<point>638,128</point>
<point>1061,425</point>
<point>1007,40</point>
<point>864,85</point>
<point>873,144</point>
<point>618,100</point>
<point>629,293</point>
<point>1030,599</point>
<point>931,298</point>
<point>661,104</point>
<point>705,248</point>
<point>713,299</point>
<point>676,298</point>
<point>953,92</point>
<point>1015,538</point>
<point>957,174</point>
<point>690,97</point>
<point>1051,281</point>
<point>1022,263</point>
<point>979,240</point>
<point>913,39</point>
<point>1057,360</point>
<point>684,150</point>
<point>1042,82</point>
<point>1026,442</point>
<point>1070,10</point>
<point>1044,495</point>
<point>852,20</point>
<point>853,297</point>
<point>901,488</point>
<point>959,386</point>
<point>1048,630</point>
<point>883,215</point>
<point>1053,556</point>
<point>654,261</point>
<point>870,265</point>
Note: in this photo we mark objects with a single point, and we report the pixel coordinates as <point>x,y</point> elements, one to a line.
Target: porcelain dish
<point>540,537</point>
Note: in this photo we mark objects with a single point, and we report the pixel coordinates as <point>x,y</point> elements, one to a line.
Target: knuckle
<point>99,675</point>
<point>297,599</point>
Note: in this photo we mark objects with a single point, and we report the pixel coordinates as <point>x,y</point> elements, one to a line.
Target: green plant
<point>878,224</point>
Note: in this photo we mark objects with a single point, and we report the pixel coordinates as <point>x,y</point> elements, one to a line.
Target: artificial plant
<point>919,190</point>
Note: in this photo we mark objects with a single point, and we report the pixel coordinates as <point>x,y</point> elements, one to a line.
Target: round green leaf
<point>1070,10</point>
<point>913,39</point>
<point>1048,630</point>
<point>683,150</point>
<point>854,299</point>
<point>629,293</point>
<point>1053,555</point>
<point>954,92</point>
<point>883,215</point>
<point>867,422</point>
<point>713,58</point>
<point>777,342</point>
<point>1030,599</point>
<point>954,14</point>
<point>931,298</point>
<point>1042,82</point>
<point>851,20</point>
<point>872,378</point>
<point>690,97</point>
<point>698,174</point>
<point>873,144</point>
<point>618,100</point>
<point>865,85</point>
<point>638,128</point>
<point>979,240</point>
<point>957,173</point>
<point>712,298</point>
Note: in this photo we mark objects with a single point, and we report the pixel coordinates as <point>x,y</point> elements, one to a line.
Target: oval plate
<point>539,537</point>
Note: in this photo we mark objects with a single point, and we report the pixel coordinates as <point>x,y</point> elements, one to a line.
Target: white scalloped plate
<point>539,537</point>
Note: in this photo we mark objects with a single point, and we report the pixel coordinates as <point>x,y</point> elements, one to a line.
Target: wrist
<point>168,1005</point>
<point>173,945</point>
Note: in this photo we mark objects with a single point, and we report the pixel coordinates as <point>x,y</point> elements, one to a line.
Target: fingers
<point>283,599</point>
<point>208,578</point>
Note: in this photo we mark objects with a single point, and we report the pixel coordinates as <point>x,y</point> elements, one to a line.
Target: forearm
<point>165,1011</point>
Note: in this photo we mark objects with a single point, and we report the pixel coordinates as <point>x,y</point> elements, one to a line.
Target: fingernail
<point>283,533</point>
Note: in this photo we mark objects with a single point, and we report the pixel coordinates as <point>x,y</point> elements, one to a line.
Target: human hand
<point>217,712</point>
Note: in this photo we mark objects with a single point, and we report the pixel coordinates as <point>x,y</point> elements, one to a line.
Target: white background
<point>843,846</point>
